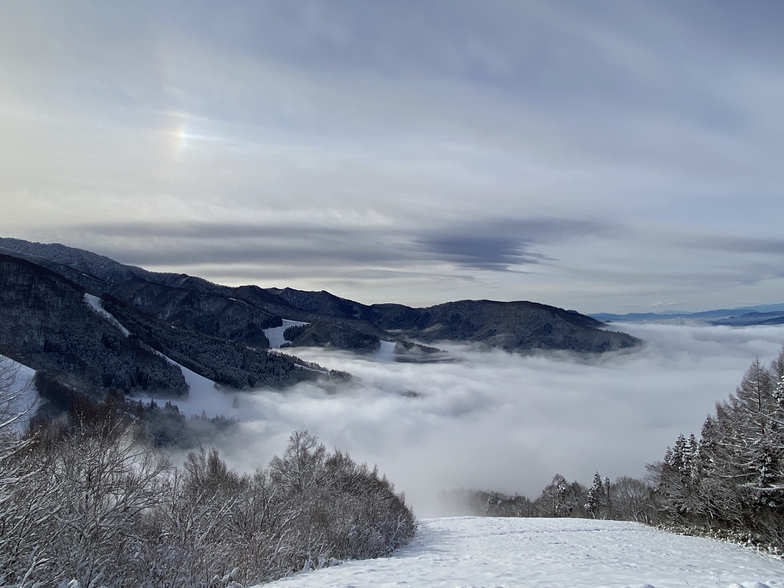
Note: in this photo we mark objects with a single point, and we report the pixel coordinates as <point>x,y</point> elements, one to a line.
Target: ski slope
<point>275,334</point>
<point>21,401</point>
<point>552,553</point>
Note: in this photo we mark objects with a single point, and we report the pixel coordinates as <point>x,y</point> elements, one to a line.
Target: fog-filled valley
<point>500,421</point>
<point>470,429</point>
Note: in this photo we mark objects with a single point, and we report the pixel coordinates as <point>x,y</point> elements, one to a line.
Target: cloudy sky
<point>602,156</point>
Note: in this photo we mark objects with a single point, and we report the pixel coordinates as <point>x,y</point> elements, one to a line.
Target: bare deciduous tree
<point>96,505</point>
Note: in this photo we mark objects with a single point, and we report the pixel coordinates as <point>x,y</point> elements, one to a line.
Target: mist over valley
<point>501,396</point>
<point>494,420</point>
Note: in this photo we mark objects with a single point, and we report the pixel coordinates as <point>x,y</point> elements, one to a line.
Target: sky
<point>610,156</point>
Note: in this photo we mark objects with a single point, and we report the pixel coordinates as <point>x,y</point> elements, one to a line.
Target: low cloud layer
<point>493,420</point>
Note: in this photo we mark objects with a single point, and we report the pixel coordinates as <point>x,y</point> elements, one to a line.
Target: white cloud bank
<point>501,421</point>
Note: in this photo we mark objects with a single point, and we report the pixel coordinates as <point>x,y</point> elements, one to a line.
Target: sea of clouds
<point>503,421</point>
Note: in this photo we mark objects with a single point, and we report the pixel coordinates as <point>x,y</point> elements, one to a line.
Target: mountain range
<point>766,314</point>
<point>97,321</point>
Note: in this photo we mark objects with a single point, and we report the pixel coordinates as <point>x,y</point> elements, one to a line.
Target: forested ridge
<point>241,314</point>
<point>231,363</point>
<point>46,324</point>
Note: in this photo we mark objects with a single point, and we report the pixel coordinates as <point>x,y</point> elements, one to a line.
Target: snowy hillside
<point>474,551</point>
<point>275,334</point>
<point>22,400</point>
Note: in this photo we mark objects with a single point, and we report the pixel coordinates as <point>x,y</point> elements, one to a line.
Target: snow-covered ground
<point>275,334</point>
<point>203,397</point>
<point>22,398</point>
<point>575,553</point>
<point>95,303</point>
<point>386,351</point>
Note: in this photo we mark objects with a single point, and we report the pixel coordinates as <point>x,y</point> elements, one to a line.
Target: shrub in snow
<point>97,506</point>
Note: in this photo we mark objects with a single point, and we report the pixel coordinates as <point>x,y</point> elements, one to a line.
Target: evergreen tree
<point>596,502</point>
<point>733,477</point>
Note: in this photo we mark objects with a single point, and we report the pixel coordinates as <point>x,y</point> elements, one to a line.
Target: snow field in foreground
<point>553,553</point>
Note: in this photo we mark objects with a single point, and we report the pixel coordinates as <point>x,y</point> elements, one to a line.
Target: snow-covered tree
<point>733,477</point>
<point>561,499</point>
<point>98,506</point>
<point>631,500</point>
<point>596,502</point>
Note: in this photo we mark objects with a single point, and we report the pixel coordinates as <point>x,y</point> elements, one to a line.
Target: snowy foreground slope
<point>476,551</point>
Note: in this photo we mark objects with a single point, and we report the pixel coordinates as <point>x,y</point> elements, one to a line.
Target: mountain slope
<point>83,265</point>
<point>231,363</point>
<point>508,325</point>
<point>241,314</point>
<point>46,323</point>
<point>209,313</point>
<point>766,314</point>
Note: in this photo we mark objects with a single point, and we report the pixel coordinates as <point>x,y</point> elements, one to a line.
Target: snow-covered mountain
<point>241,314</point>
<point>552,553</point>
<point>105,325</point>
<point>766,314</point>
<point>49,322</point>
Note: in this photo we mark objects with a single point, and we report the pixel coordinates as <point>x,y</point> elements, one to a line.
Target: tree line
<point>730,481</point>
<point>625,499</point>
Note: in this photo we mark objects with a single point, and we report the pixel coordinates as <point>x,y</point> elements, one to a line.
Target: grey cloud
<point>493,245</point>
<point>327,276</point>
<point>605,59</point>
<point>483,252</point>
<point>613,60</point>
<point>733,244</point>
<point>212,230</point>
<point>202,243</point>
<point>637,112</point>
<point>501,244</point>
